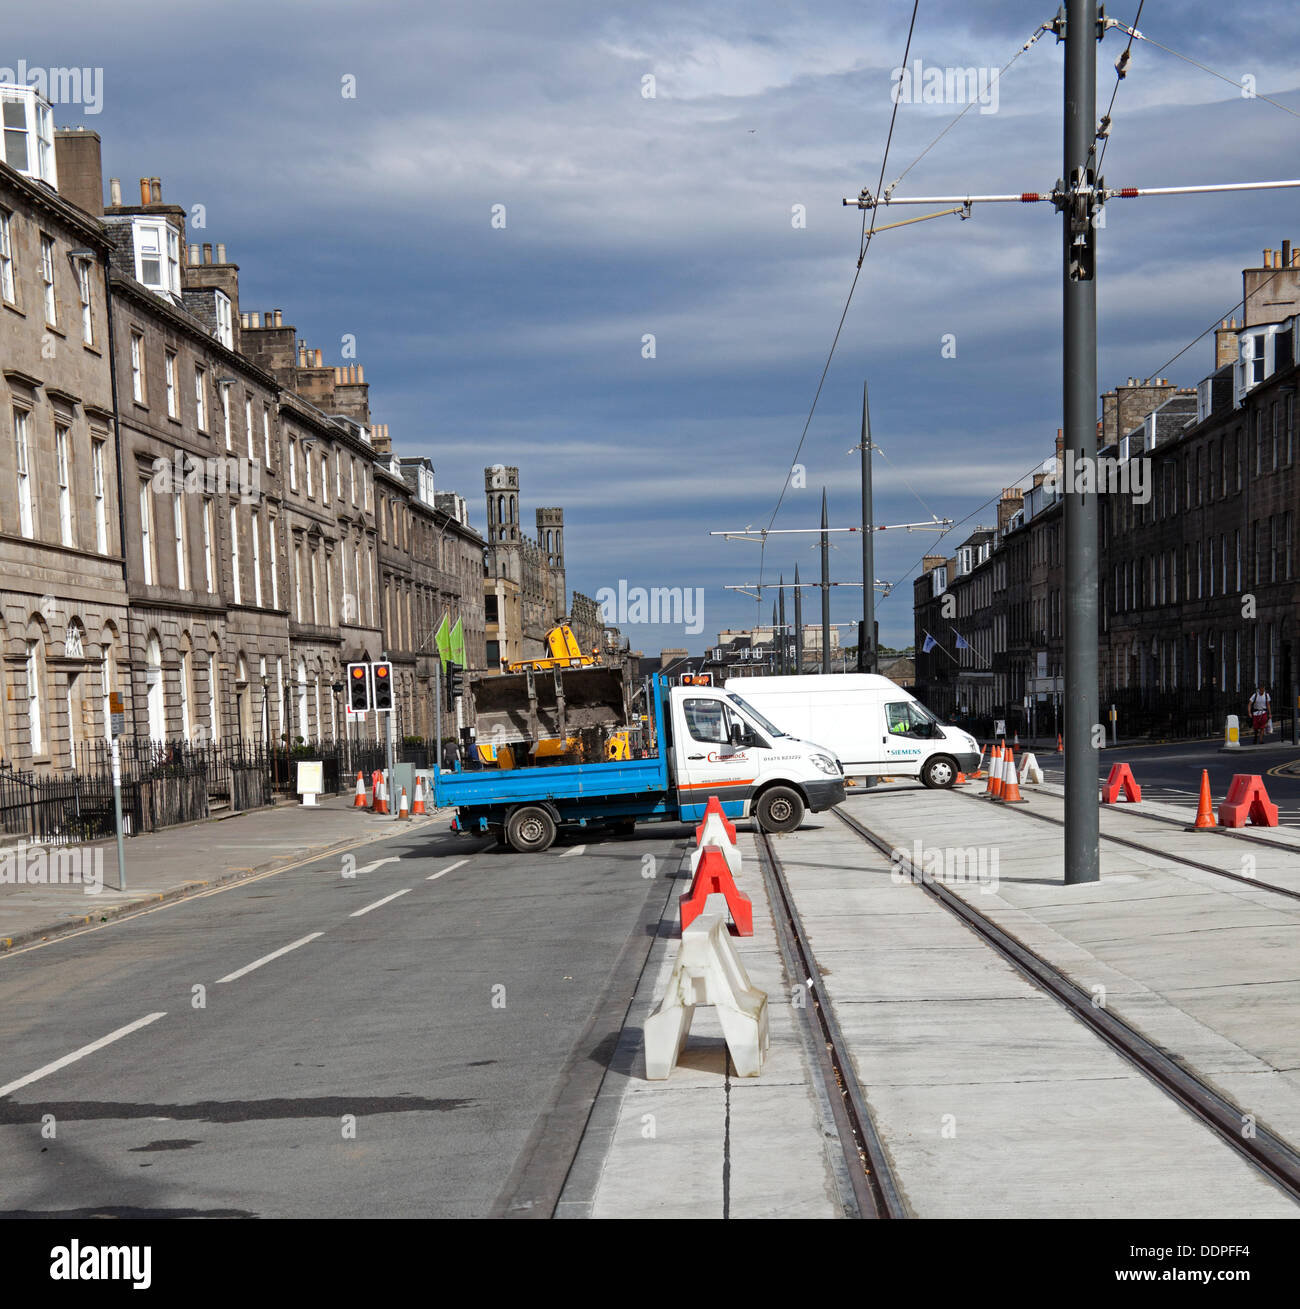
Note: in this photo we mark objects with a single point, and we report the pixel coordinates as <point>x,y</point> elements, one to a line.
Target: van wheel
<point>530,830</point>
<point>938,772</point>
<point>779,810</point>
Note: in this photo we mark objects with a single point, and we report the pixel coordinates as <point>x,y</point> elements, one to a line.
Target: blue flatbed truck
<point>708,742</point>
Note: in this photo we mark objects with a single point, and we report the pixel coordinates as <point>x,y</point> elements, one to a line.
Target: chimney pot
<point>155,189</point>
<point>278,321</point>
<point>144,190</point>
<point>221,254</point>
<point>1286,254</point>
<point>318,359</point>
<point>114,191</point>
<point>192,253</point>
<point>207,252</point>
<point>361,373</point>
<point>255,318</point>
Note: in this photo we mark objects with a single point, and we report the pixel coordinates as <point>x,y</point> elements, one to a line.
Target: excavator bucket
<point>549,704</point>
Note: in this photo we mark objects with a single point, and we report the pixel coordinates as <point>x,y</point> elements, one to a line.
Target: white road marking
<point>82,1053</point>
<point>377,903</point>
<point>433,877</point>
<point>577,849</point>
<point>266,959</point>
<point>379,863</point>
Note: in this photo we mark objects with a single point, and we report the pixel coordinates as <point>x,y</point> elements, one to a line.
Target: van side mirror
<point>738,734</point>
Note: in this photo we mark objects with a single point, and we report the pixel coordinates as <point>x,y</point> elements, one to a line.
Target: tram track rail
<point>875,1191</point>
<point>1269,1153</point>
<point>1289,892</point>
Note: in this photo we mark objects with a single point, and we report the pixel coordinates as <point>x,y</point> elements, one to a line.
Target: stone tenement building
<point>198,515</point>
<point>1199,597</point>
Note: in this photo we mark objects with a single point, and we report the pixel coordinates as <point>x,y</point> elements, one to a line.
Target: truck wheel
<point>530,830</point>
<point>938,772</point>
<point>779,810</point>
<point>624,827</point>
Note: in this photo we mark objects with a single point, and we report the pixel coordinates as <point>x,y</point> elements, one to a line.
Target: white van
<point>873,725</point>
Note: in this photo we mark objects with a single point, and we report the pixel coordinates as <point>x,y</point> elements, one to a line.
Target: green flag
<point>442,639</point>
<point>458,644</point>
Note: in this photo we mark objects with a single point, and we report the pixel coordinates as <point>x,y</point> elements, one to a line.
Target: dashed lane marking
<point>266,959</point>
<point>377,903</point>
<point>82,1053</point>
<point>433,877</point>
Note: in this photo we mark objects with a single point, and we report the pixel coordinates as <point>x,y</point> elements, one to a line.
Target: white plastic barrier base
<point>1030,771</point>
<point>731,853</point>
<point>715,831</point>
<point>708,970</point>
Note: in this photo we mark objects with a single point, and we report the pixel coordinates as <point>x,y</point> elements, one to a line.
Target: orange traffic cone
<point>1205,810</point>
<point>376,785</point>
<point>381,797</point>
<point>1060,747</point>
<point>995,760</point>
<point>417,806</point>
<point>360,801</point>
<point>979,774</point>
<point>1011,786</point>
<point>404,808</point>
<point>961,779</point>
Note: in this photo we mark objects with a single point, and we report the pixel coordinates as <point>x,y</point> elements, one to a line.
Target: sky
<point>606,244</point>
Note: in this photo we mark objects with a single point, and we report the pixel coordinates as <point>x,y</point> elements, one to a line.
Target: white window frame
<point>63,471</point>
<point>293,463</point>
<point>87,312</point>
<point>248,426</point>
<point>209,558</point>
<point>257,559</point>
<point>225,319</point>
<point>146,532</point>
<point>22,459</point>
<point>275,567</point>
<point>137,368</point>
<point>234,555</point>
<point>47,279</point>
<point>34,689</point>
<point>306,465</point>
<point>200,398</point>
<point>100,492</point>
<point>266,433</point>
<point>225,411</point>
<point>156,239</point>
<point>8,285</point>
<point>178,529</point>
<point>169,372</point>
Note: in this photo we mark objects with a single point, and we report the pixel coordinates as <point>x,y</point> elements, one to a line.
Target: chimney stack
<point>114,191</point>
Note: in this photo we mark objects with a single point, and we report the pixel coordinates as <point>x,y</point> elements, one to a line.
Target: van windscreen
<point>755,715</point>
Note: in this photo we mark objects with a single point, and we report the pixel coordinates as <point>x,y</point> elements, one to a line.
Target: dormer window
<point>225,323</point>
<point>28,133</point>
<point>157,256</point>
<point>1255,359</point>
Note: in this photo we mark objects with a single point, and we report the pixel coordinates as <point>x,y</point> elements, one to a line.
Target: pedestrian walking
<point>1261,711</point>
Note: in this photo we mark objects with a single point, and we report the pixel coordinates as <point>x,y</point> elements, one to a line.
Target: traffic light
<point>455,683</point>
<point>358,688</point>
<point>383,673</point>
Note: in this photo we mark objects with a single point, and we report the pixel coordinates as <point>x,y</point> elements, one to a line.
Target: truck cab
<point>723,746</point>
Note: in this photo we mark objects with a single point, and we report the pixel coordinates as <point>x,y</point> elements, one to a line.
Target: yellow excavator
<point>604,696</point>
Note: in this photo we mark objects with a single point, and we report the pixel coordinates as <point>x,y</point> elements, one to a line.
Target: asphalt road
<point>1173,772</point>
<point>428,1043</point>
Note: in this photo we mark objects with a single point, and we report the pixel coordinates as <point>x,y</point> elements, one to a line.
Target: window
<point>209,560</point>
<point>62,462</point>
<point>706,720</point>
<point>325,478</point>
<point>169,371</point>
<point>225,411</point>
<point>200,400</point>
<point>157,256</point>
<point>275,565</point>
<point>214,699</point>
<point>248,428</point>
<point>100,491</point>
<point>306,463</point>
<point>83,289</point>
<point>185,695</point>
<point>225,323</point>
<point>266,433</point>
<point>35,676</point>
<point>257,559</point>
<point>312,581</point>
<point>178,529</point>
<point>234,555</point>
<point>137,368</point>
<point>26,522</point>
<point>146,532</point>
<point>293,463</point>
<point>338,475</point>
<point>8,289</point>
<point>329,590</point>
<point>352,476</point>
<point>29,134</point>
<point>47,280</point>
<point>297,582</point>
